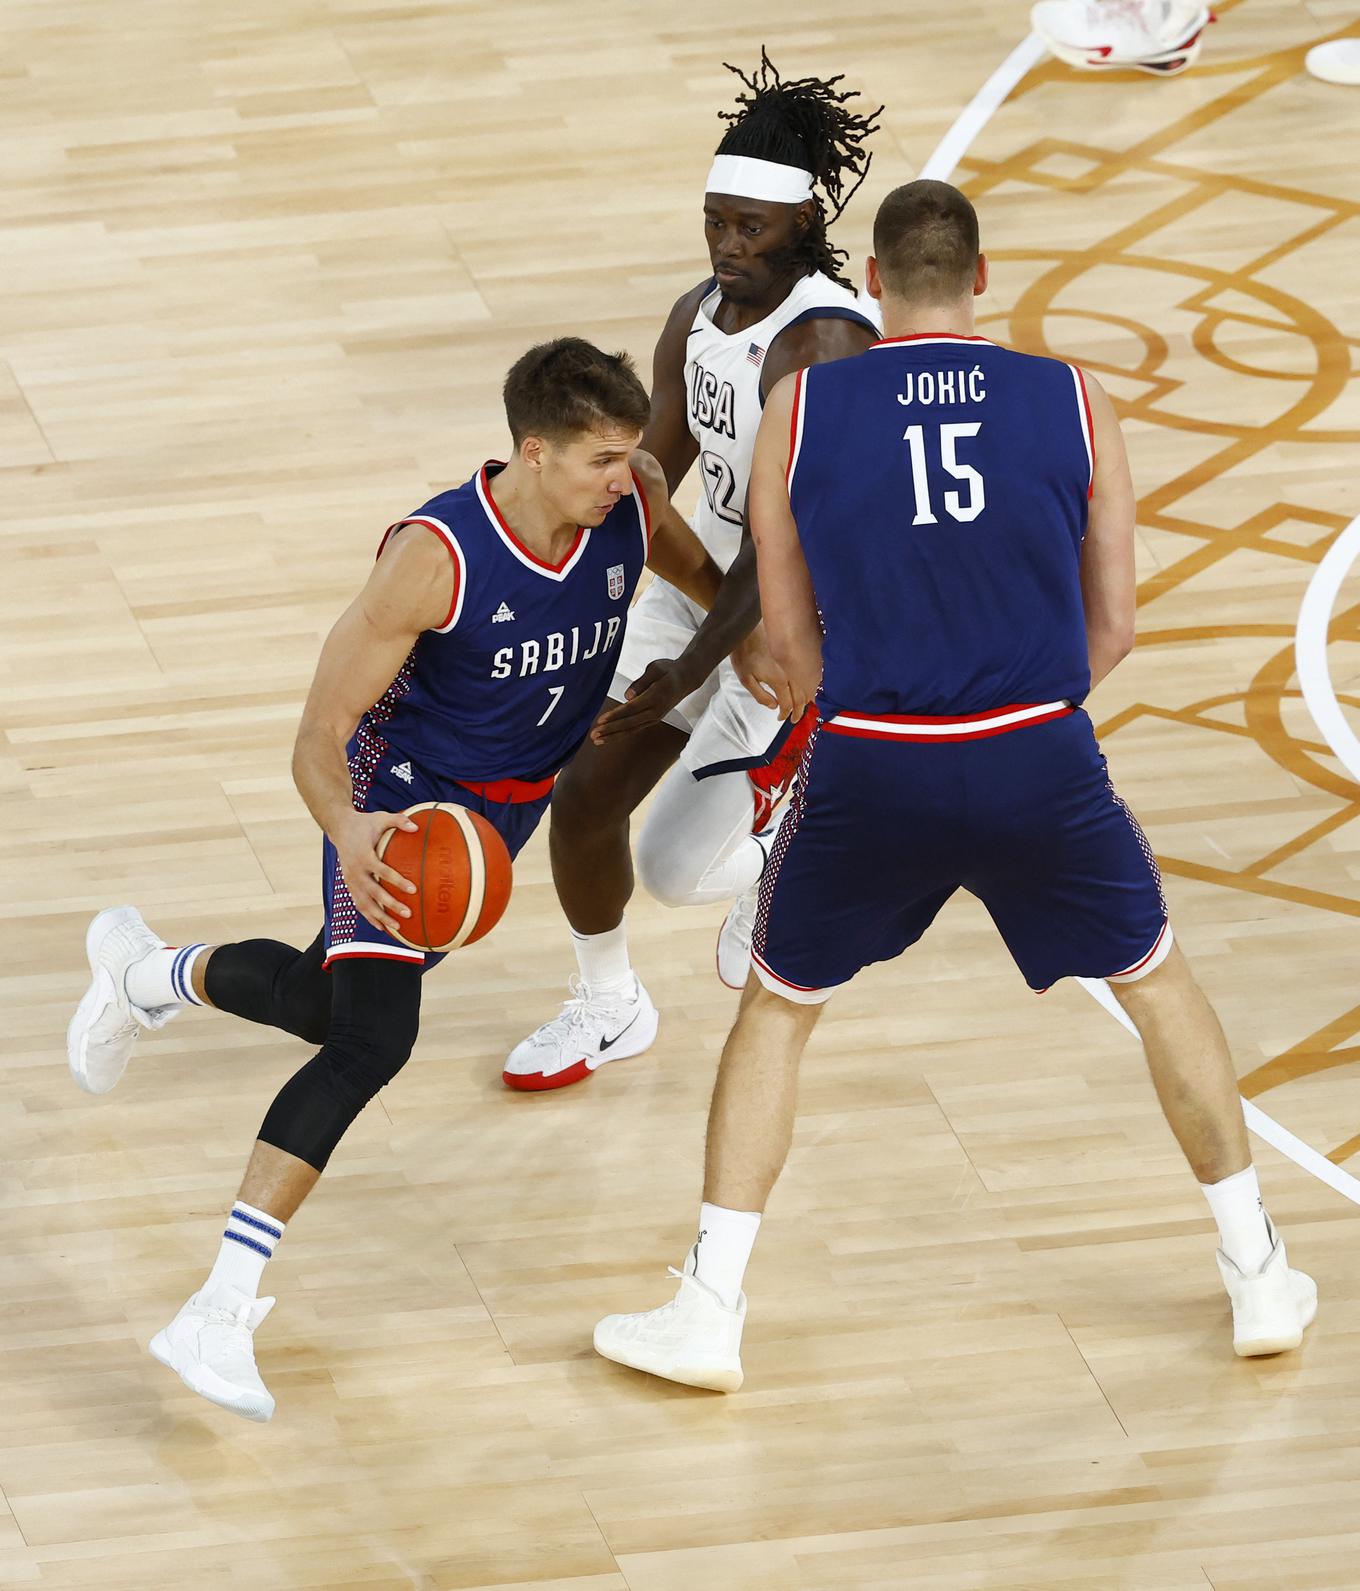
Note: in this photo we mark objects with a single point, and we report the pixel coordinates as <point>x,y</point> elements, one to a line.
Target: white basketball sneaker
<point>734,937</point>
<point>1158,36</point>
<point>210,1347</point>
<point>590,1030</point>
<point>695,1339</point>
<point>1272,1308</point>
<point>101,1034</point>
<point>1335,62</point>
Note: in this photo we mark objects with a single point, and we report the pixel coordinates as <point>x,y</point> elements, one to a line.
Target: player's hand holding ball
<point>455,869</point>
<point>377,889</point>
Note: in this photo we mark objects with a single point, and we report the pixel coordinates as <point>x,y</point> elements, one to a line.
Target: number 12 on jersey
<point>955,507</point>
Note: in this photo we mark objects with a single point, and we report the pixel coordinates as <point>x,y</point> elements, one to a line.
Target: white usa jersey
<point>723,398</point>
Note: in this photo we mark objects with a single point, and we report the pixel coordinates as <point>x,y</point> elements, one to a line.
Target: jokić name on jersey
<point>944,386</point>
<point>560,649</point>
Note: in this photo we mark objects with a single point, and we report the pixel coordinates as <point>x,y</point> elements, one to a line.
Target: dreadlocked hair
<point>804,122</point>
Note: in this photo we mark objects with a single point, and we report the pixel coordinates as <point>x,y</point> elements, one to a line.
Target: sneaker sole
<point>720,1375</point>
<point>1281,1342</point>
<point>578,1071</point>
<point>249,1405</point>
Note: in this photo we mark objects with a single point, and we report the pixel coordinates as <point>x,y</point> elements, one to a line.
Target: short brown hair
<point>926,242</point>
<point>561,388</point>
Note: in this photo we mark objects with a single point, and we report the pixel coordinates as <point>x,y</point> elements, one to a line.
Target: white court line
<point>980,109</point>
<point>1310,641</point>
<point>1310,648</point>
<point>1265,1127</point>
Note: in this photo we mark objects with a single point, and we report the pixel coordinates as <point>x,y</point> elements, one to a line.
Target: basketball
<point>461,870</point>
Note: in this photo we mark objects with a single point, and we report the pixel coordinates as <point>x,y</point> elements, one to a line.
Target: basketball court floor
<point>262,269</point>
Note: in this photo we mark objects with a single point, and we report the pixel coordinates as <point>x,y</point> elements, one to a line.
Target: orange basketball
<point>461,870</point>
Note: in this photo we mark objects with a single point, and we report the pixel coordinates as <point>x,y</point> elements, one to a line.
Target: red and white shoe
<point>770,784</point>
<point>1162,37</point>
<point>589,1031</point>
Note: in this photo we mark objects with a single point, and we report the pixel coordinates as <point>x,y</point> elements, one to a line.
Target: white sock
<point>247,1245</point>
<point>163,978</point>
<point>603,961</point>
<point>726,1238</point>
<point>1237,1207</point>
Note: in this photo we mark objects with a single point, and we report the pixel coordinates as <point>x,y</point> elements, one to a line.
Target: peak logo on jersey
<point>712,403</point>
<point>502,615</point>
<point>616,580</point>
<point>402,771</point>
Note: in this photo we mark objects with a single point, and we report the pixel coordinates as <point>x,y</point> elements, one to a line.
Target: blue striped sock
<point>247,1245</point>
<point>163,977</point>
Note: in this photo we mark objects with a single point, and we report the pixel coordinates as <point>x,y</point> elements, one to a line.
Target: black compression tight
<point>364,1013</point>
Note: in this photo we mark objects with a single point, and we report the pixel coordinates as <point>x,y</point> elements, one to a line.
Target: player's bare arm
<point>679,557</point>
<point>409,590</point>
<point>733,622</point>
<point>1108,584</point>
<point>786,594</point>
<point>668,438</point>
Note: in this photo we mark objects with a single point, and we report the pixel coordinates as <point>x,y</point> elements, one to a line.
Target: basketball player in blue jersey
<point>774,303</point>
<point>468,670</point>
<point>960,519</point>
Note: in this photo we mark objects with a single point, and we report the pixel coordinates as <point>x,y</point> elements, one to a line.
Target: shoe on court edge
<point>1272,1308</point>
<point>589,1031</point>
<point>695,1339</point>
<point>210,1347</point>
<point>101,1035</point>
<point>1162,37</point>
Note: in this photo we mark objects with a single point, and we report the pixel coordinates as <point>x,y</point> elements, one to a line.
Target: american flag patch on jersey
<point>754,354</point>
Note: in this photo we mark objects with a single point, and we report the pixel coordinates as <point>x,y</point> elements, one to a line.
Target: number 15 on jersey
<point>946,444</point>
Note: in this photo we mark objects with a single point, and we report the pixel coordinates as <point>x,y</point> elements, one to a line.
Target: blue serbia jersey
<point>509,684</point>
<point>941,485</point>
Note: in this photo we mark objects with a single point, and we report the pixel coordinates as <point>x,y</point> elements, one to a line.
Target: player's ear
<point>980,280</point>
<point>531,450</point>
<point>802,218</point>
<point>873,282</point>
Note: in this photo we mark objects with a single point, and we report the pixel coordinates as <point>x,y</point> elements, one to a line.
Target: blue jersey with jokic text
<point>509,684</point>
<point>940,485</point>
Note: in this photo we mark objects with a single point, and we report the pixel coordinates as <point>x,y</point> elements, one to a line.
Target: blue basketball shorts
<point>885,826</point>
<point>385,780</point>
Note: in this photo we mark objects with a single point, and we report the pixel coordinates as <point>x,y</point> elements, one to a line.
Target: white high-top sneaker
<point>590,1030</point>
<point>1158,36</point>
<point>1272,1308</point>
<point>210,1347</point>
<point>695,1339</point>
<point>734,937</point>
<point>100,1036</point>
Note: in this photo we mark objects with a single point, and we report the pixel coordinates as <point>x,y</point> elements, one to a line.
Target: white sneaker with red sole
<point>1162,37</point>
<point>590,1031</point>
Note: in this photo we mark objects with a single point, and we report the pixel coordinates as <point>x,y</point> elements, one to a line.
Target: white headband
<point>745,178</point>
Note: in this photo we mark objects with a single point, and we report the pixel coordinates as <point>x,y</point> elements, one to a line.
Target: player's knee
<point>667,873</point>
<point>584,805</point>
